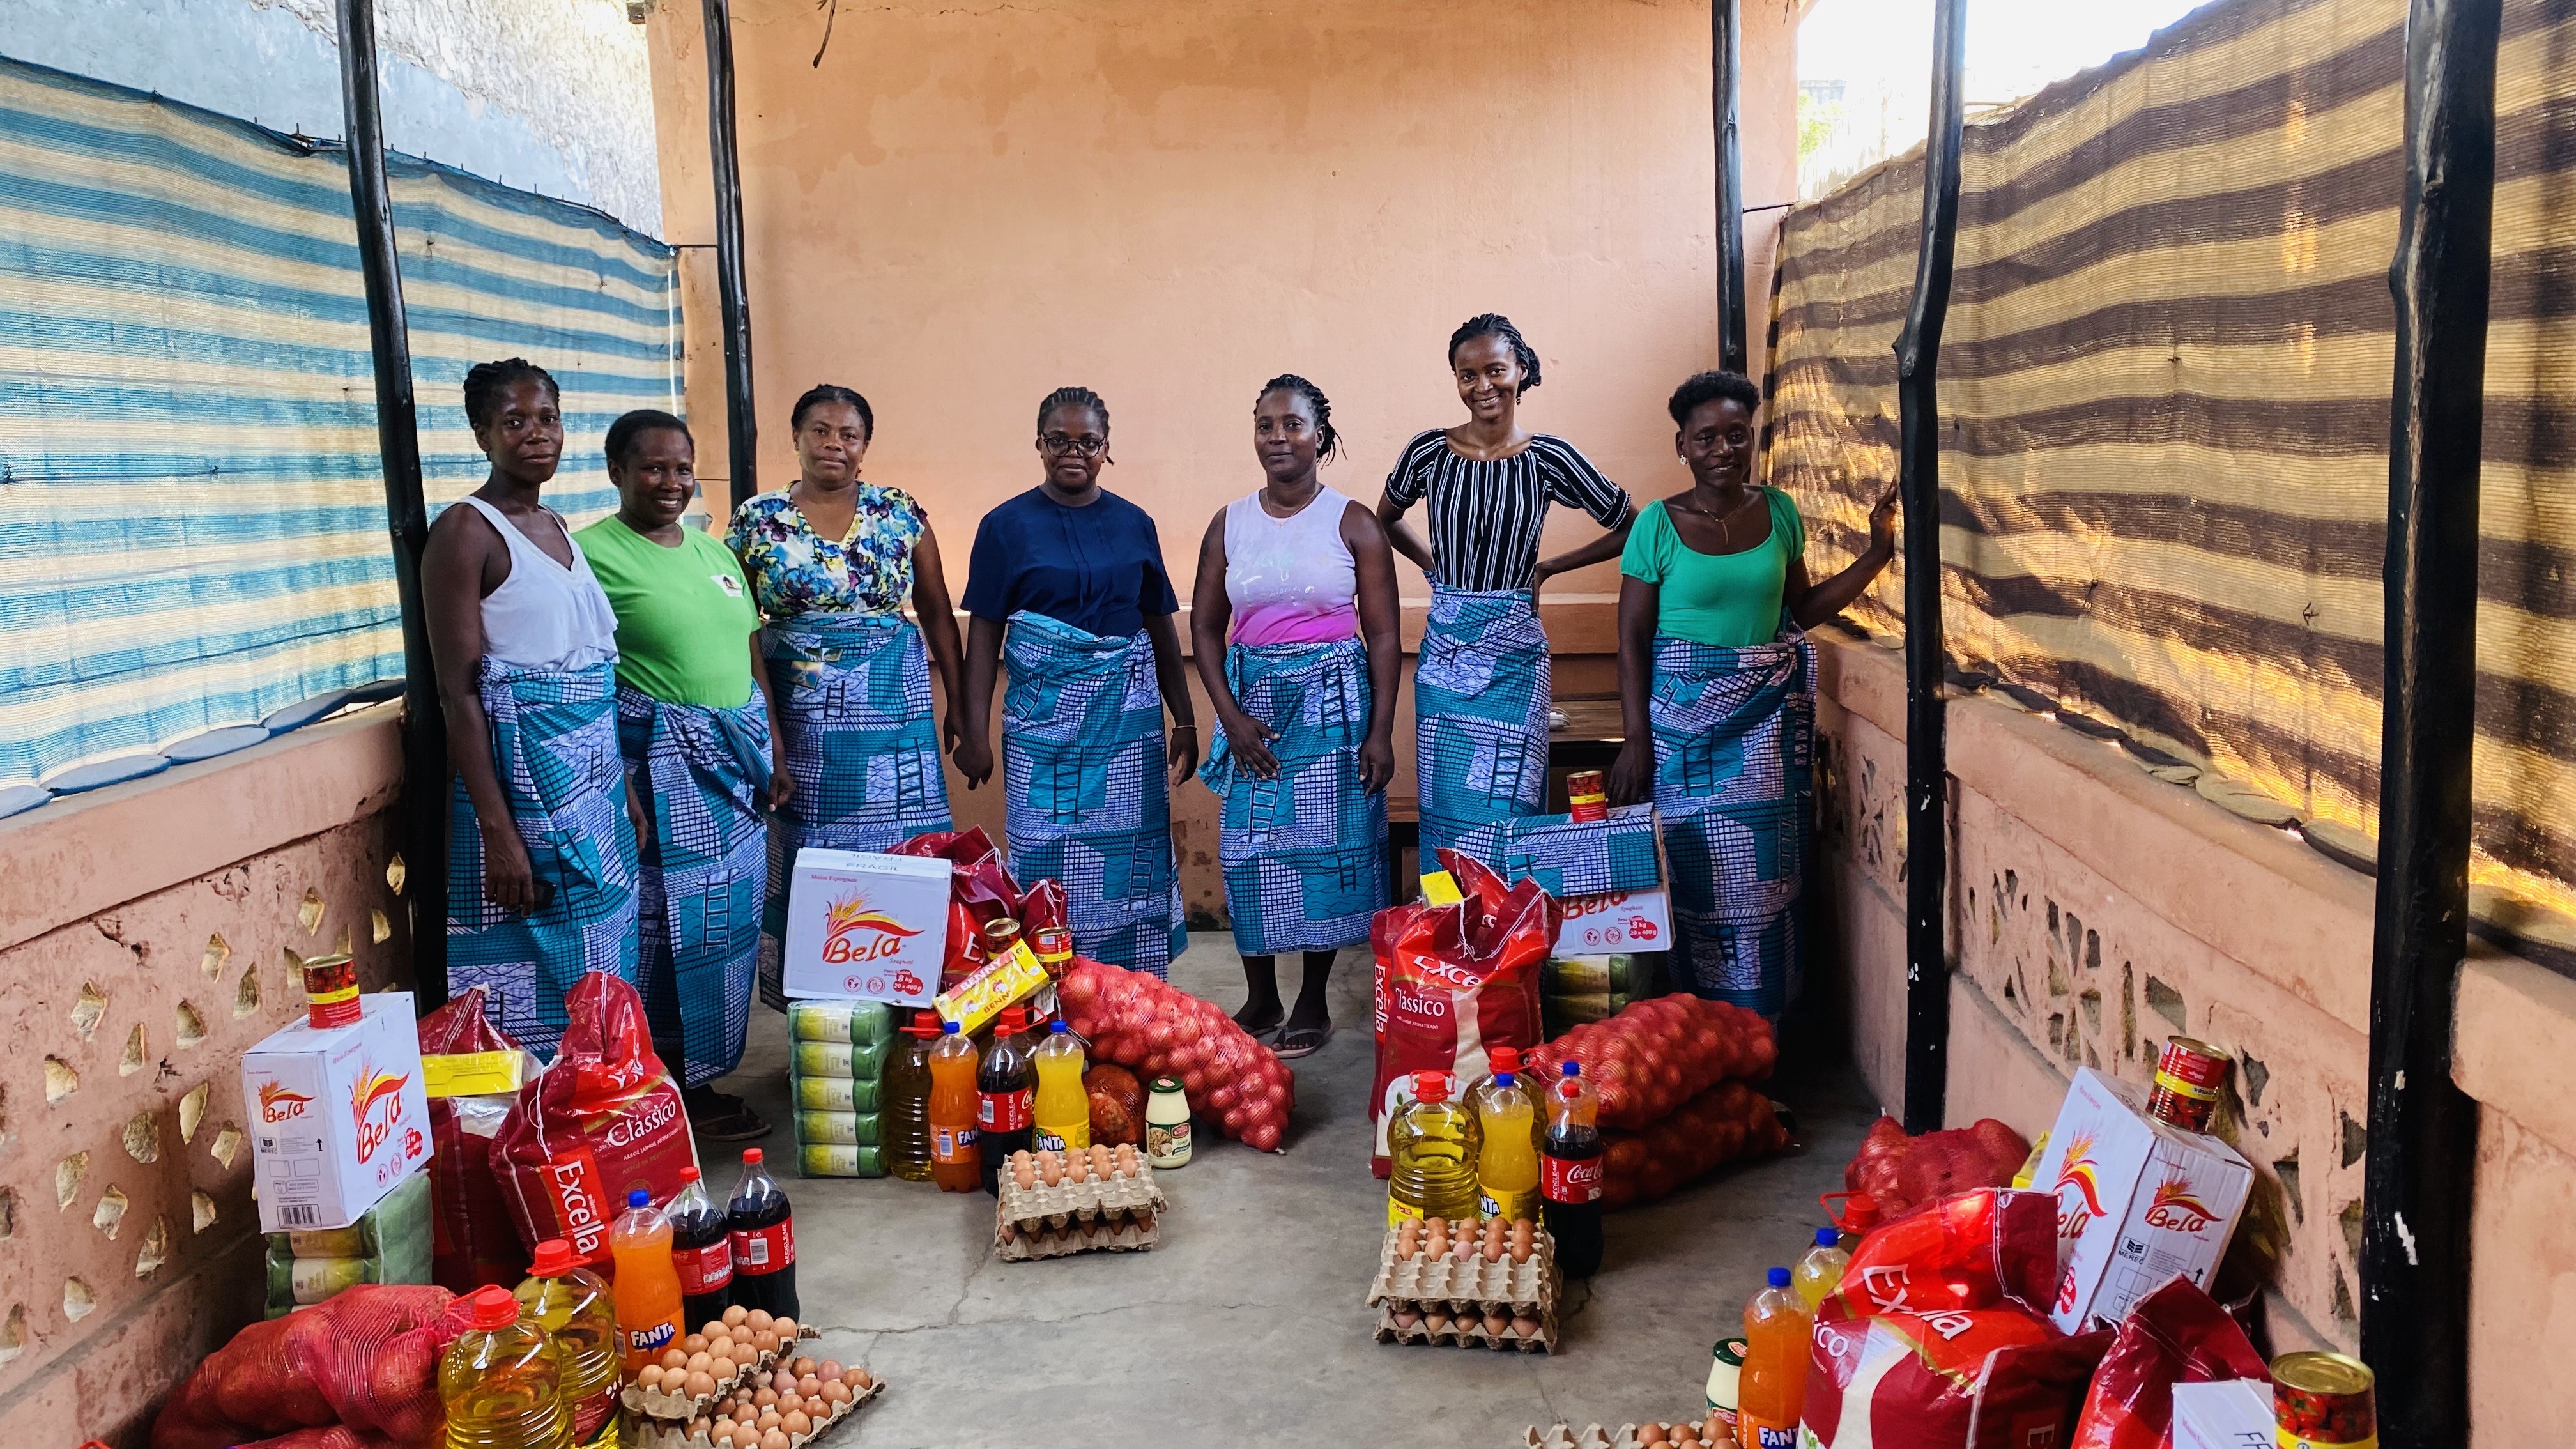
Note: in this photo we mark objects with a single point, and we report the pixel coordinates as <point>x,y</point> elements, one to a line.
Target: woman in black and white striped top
<point>1480,693</point>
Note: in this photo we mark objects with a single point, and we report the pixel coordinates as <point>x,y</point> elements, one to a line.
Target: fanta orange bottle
<point>956,1159</point>
<point>1772,1390</point>
<point>647,1285</point>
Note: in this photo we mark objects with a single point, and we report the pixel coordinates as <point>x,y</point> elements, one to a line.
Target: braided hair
<point>625,434</point>
<point>1073,397</point>
<point>484,381</point>
<point>1495,324</point>
<point>1707,387</point>
<point>829,392</point>
<point>1328,443</point>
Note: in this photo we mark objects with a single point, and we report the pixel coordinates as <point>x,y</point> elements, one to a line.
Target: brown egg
<point>768,1420</point>
<point>721,1346</point>
<point>789,1403</point>
<point>829,1368</point>
<point>723,1434</point>
<point>649,1376</point>
<point>785,1327</point>
<point>1407,1318</point>
<point>697,1385</point>
<point>857,1378</point>
<point>809,1384</point>
<point>735,1315</point>
<point>836,1392</point>
<point>776,1439</point>
<point>757,1319</point>
<point>1525,1326</point>
<point>768,1341</point>
<point>801,1367</point>
<point>694,1343</point>
<point>710,1328</point>
<point>795,1422</point>
<point>1496,1320</point>
<point>674,1359</point>
<point>1652,1434</point>
<point>721,1369</point>
<point>765,1396</point>
<point>701,1426</point>
<point>698,1363</point>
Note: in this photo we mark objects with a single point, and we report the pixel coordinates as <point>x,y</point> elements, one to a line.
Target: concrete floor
<point>1246,1323</point>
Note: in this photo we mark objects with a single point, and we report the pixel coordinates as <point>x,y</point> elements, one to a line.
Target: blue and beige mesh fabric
<point>1568,857</point>
<point>1304,852</point>
<point>862,745</point>
<point>554,746</point>
<point>1086,799</point>
<point>700,880</point>
<point>1480,697</point>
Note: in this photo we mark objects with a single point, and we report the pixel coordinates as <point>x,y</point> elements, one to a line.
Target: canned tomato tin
<point>2323,1401</point>
<point>1000,934</point>
<point>1587,796</point>
<point>1054,948</point>
<point>2188,1076</point>
<point>331,990</point>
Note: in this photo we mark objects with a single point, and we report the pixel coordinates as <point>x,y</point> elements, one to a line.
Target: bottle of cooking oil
<point>578,1315</point>
<point>905,1103</point>
<point>501,1381</point>
<point>1434,1142</point>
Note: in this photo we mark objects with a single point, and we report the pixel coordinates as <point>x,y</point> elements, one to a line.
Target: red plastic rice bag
<point>472,1240</point>
<point>1454,981</point>
<point>357,1372</point>
<point>1903,1173</point>
<point>1938,1337</point>
<point>2175,1335</point>
<point>602,1120</point>
<point>981,889</point>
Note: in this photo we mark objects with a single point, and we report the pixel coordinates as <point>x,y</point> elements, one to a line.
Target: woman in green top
<point>694,722</point>
<point>1717,689</point>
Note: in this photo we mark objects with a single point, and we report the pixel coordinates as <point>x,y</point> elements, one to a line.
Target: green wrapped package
<point>834,1094</point>
<point>836,1129</point>
<point>1578,989</point>
<point>389,1244</point>
<point>824,1161</point>
<point>838,1059</point>
<point>860,1023</point>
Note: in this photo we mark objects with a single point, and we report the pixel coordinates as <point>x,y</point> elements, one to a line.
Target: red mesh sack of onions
<point>1728,1121</point>
<point>357,1372</point>
<point>1655,1055</point>
<point>1146,1024</point>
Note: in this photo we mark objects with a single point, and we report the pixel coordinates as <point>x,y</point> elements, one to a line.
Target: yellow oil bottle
<point>1434,1143</point>
<point>501,1381</point>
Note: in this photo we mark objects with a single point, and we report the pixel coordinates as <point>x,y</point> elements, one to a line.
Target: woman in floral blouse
<point>831,561</point>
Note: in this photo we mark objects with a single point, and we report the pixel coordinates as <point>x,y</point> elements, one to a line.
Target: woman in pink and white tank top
<point>1305,707</point>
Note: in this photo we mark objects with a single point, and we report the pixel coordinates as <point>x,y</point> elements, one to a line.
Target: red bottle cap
<point>1860,1210</point>
<point>925,1024</point>
<point>751,1157</point>
<point>493,1307</point>
<point>1504,1059</point>
<point>688,1174</point>
<point>1431,1086</point>
<point>1014,1021</point>
<point>552,1259</point>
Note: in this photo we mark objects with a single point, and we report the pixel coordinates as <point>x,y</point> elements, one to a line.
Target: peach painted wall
<point>144,932</point>
<point>2097,910</point>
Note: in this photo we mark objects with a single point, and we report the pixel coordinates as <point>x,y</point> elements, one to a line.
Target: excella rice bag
<point>472,1072</point>
<point>1453,981</point>
<point>603,1120</point>
<point>1939,1338</point>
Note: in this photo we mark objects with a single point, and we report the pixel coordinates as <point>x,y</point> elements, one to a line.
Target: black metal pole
<point>1927,791</point>
<point>423,828</point>
<point>742,431</point>
<point>1726,65</point>
<point>2424,1129</point>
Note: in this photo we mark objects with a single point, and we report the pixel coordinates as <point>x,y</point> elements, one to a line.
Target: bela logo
<point>2176,1210</point>
<point>281,1103</point>
<point>856,933</point>
<point>374,1087</point>
<point>2079,1197</point>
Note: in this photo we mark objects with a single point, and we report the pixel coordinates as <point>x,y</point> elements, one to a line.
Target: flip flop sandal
<point>740,1125</point>
<point>1311,1037</point>
<point>1264,1034</point>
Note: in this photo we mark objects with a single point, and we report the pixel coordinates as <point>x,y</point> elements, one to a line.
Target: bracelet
<point>1192,726</point>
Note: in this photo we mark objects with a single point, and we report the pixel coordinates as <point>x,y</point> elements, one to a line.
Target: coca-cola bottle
<point>763,1235</point>
<point>1569,1176</point>
<point>1004,1095</point>
<point>701,1252</point>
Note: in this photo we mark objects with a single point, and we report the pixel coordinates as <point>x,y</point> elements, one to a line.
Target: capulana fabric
<point>1304,852</point>
<point>702,878</point>
<point>1735,783</point>
<point>1085,798</point>
<point>1480,697</point>
<point>554,746</point>
<point>862,746</point>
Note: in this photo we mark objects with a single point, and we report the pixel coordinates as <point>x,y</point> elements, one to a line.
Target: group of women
<point>647,723</point>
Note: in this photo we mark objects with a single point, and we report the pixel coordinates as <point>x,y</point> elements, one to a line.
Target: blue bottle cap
<point>639,1198</point>
<point>1828,1238</point>
<point>1573,1068</point>
<point>1057,1027</point>
<point>1779,1277</point>
<point>948,1028</point>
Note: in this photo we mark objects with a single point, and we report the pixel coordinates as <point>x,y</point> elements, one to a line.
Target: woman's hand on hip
<point>1250,740</point>
<point>1632,775</point>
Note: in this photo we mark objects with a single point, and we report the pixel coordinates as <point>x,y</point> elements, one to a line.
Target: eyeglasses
<point>1089,445</point>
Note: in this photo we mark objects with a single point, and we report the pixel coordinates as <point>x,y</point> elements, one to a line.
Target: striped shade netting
<point>2164,395</point>
<point>192,503</point>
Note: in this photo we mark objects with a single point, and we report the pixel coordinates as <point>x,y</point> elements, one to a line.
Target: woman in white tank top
<point>1305,706</point>
<point>542,825</point>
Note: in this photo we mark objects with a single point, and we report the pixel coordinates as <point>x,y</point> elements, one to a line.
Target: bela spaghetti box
<point>866,926</point>
<point>2138,1200</point>
<point>339,1116</point>
<point>2227,1414</point>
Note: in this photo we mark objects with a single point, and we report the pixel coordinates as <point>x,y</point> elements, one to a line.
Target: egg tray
<point>680,1408</point>
<point>1132,1234</point>
<point>1473,1283</point>
<point>1591,1436</point>
<point>650,1434</point>
<point>1036,1210</point>
<point>1468,1331</point>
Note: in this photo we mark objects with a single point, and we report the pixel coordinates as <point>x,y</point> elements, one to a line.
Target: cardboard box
<point>339,1117</point>
<point>1616,923</point>
<point>2228,1414</point>
<point>865,926</point>
<point>2138,1200</point>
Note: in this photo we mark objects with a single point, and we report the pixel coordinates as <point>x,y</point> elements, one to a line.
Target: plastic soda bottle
<point>1773,1386</point>
<point>762,1228</point>
<point>572,1305</point>
<point>1004,1097</point>
<point>501,1380</point>
<point>648,1287</point>
<point>1820,1270</point>
<point>701,1251</point>
<point>904,1106</point>
<point>1507,1160</point>
<point>1569,1179</point>
<point>1062,1109</point>
<point>1434,1143</point>
<point>955,1161</point>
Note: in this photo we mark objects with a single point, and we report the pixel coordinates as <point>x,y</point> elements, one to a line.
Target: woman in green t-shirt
<point>694,723</point>
<point>1717,689</point>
